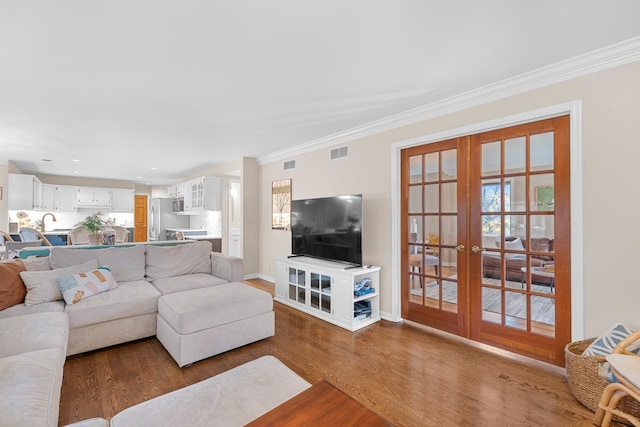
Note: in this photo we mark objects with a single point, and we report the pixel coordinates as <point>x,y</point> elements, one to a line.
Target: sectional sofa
<point>37,334</point>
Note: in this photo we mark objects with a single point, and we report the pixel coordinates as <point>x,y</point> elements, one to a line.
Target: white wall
<point>610,134</point>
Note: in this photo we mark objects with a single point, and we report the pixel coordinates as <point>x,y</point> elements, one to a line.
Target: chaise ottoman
<point>200,323</point>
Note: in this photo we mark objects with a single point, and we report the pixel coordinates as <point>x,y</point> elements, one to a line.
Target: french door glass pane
<point>516,310</point>
<point>450,197</point>
<point>432,167</point>
<point>449,164</point>
<point>449,230</point>
<point>541,193</point>
<point>432,198</point>
<point>415,169</point>
<point>518,194</point>
<point>541,152</point>
<point>515,155</point>
<point>415,199</point>
<point>542,226</point>
<point>492,305</point>
<point>491,158</point>
<point>491,195</point>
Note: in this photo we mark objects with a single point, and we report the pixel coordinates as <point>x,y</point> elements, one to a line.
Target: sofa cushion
<point>205,308</point>
<point>40,263</point>
<point>45,330</point>
<point>30,388</point>
<point>79,286</point>
<point>126,262</point>
<point>22,310</point>
<point>42,285</point>
<point>232,398</point>
<point>186,258</point>
<point>128,299</point>
<point>12,290</point>
<point>186,282</point>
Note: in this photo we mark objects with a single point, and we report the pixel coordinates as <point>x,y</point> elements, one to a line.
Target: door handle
<point>460,248</point>
<point>475,249</point>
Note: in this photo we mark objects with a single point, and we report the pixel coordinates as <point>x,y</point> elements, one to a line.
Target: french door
<point>486,237</point>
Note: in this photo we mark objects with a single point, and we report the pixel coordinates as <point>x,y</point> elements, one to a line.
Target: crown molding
<point>601,59</point>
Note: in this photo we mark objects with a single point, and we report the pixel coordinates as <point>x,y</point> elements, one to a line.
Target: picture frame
<point>545,200</point>
<point>281,204</point>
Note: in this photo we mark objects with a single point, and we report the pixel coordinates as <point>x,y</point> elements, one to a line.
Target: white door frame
<point>574,110</point>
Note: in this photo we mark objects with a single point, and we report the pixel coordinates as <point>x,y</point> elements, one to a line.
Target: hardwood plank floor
<point>408,375</point>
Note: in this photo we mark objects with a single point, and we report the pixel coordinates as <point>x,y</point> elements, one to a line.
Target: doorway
<point>140,215</point>
<point>482,256</point>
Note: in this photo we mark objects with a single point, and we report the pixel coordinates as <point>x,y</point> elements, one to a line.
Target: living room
<point>599,90</point>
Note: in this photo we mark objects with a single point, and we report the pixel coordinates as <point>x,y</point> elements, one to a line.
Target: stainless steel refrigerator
<point>161,217</point>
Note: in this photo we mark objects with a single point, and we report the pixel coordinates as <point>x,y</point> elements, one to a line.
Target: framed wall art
<point>281,204</point>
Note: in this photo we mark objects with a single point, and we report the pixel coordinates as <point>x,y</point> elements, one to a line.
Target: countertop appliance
<point>161,217</point>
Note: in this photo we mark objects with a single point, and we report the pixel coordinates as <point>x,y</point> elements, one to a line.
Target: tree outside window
<point>281,204</point>
<point>491,198</point>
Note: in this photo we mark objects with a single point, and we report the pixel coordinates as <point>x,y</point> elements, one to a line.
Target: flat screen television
<point>328,228</point>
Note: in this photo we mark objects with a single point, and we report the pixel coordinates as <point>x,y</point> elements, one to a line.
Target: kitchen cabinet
<point>94,197</point>
<point>48,197</point>
<point>202,194</point>
<point>25,192</point>
<point>122,200</point>
<point>65,197</point>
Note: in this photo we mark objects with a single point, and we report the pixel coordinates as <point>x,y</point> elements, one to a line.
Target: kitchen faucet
<point>42,229</point>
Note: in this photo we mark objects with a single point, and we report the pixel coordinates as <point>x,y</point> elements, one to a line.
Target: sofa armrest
<point>227,267</point>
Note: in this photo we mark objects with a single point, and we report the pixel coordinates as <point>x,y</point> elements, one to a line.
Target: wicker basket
<point>585,383</point>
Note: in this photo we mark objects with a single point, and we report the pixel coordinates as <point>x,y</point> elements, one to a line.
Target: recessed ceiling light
<point>75,171</point>
<point>147,183</point>
<point>75,160</point>
<point>153,169</point>
<point>138,177</point>
<point>47,160</point>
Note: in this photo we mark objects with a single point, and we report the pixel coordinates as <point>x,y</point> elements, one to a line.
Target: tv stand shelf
<point>325,289</point>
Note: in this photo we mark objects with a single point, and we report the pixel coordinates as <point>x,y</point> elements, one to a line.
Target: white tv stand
<point>325,289</point>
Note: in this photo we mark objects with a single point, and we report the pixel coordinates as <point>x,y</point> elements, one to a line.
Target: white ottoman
<point>200,323</point>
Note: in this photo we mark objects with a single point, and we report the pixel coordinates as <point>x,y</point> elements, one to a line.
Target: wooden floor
<point>409,375</point>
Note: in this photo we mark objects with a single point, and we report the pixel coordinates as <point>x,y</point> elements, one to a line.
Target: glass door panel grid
<point>517,290</point>
<point>432,230</point>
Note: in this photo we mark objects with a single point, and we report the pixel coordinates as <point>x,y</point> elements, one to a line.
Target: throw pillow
<point>12,290</point>
<point>42,285</point>
<point>604,344</point>
<point>79,286</point>
<point>513,245</point>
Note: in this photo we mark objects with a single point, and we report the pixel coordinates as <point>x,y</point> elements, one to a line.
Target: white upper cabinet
<point>25,192</point>
<point>202,194</point>
<point>65,198</point>
<point>122,200</point>
<point>94,196</point>
<point>48,197</point>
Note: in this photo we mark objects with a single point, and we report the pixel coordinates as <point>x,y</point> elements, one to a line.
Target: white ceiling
<point>124,86</point>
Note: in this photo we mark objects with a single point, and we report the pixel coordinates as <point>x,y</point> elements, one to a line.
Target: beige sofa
<point>34,339</point>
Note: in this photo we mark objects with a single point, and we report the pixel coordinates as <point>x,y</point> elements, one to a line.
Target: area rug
<point>542,309</point>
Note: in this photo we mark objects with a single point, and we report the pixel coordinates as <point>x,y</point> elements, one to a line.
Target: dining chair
<point>78,236</point>
<point>122,234</point>
<point>4,238</point>
<point>625,366</point>
<point>31,235</point>
<point>419,260</point>
<point>13,248</point>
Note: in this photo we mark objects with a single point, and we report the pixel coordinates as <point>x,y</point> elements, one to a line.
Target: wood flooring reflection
<point>409,376</point>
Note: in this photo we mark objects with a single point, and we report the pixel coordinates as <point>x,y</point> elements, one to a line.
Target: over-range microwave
<point>178,205</point>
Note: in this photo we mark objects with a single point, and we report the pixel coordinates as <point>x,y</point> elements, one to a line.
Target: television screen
<point>328,228</point>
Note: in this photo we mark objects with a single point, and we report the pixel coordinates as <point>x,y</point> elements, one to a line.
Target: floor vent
<point>291,164</point>
<point>339,153</point>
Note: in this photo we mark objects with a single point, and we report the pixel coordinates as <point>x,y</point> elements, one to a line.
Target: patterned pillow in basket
<point>604,345</point>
